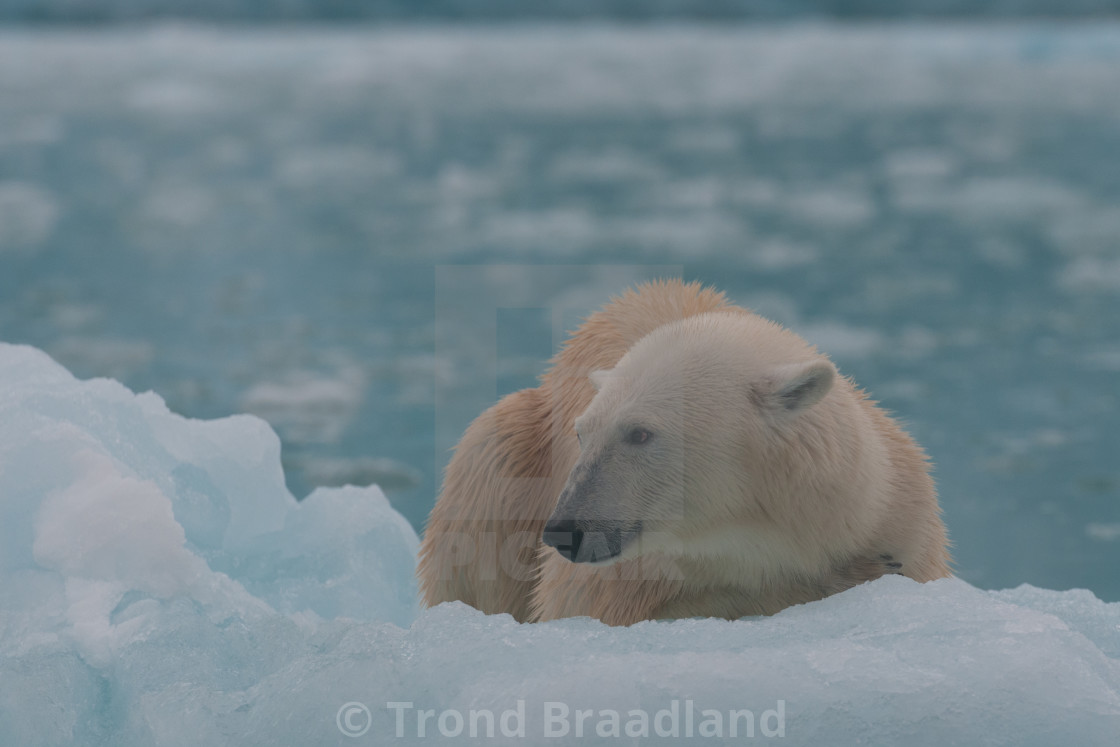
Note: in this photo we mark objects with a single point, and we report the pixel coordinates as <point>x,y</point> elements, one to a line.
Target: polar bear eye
<point>638,436</point>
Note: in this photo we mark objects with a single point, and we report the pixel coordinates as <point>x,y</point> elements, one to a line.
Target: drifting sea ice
<point>160,585</point>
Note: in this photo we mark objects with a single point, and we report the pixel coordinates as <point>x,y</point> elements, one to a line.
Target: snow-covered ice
<point>160,585</point>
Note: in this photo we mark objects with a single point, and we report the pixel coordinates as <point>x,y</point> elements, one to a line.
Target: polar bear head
<point>711,421</point>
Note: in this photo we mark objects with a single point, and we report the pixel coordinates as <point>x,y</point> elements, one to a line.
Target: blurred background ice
<point>366,233</point>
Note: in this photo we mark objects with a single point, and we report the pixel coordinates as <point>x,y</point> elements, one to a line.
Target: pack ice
<point>160,585</point>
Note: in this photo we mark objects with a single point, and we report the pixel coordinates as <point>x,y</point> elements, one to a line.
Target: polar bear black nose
<point>564,536</point>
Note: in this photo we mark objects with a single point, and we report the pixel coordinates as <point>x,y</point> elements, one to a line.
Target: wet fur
<point>482,542</point>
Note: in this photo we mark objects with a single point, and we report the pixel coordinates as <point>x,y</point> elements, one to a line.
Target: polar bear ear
<point>798,386</point>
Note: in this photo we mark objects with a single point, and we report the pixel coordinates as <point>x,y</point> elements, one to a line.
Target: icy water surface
<point>365,236</point>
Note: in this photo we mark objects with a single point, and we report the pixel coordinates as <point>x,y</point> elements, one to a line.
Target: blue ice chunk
<point>161,586</point>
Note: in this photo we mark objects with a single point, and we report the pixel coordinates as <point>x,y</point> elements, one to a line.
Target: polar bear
<point>683,457</point>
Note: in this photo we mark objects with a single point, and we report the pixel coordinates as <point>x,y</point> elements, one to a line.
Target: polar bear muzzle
<point>590,541</point>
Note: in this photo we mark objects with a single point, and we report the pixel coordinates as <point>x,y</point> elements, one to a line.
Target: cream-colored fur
<point>767,480</point>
